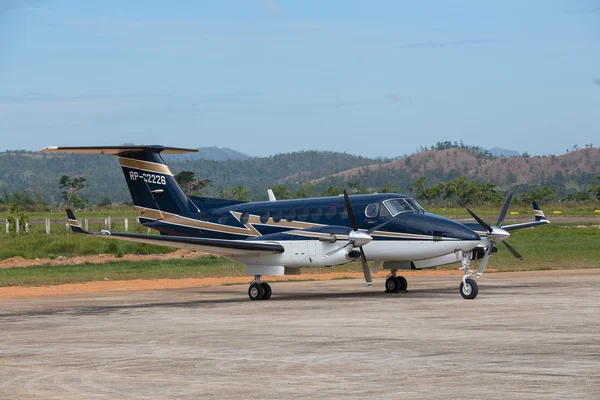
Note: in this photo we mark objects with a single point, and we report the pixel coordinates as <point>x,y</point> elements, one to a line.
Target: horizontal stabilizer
<point>116,150</point>
<point>213,246</point>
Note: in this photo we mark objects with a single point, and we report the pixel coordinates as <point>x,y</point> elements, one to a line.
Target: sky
<point>373,78</point>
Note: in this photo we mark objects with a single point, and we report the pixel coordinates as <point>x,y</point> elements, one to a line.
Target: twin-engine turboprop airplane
<point>281,237</point>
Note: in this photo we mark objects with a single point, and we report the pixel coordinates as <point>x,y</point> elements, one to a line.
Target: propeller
<point>359,239</point>
<point>495,234</point>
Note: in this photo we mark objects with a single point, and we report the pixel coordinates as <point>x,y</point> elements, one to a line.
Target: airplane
<point>280,237</point>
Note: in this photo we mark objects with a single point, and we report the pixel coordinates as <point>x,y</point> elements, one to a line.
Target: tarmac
<point>527,335</point>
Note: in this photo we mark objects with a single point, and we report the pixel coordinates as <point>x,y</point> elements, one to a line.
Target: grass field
<point>557,246</point>
<point>69,245</point>
<point>585,209</point>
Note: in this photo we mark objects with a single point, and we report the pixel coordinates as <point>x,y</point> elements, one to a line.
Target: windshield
<point>415,205</point>
<point>396,206</point>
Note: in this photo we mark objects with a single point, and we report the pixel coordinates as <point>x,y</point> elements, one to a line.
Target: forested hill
<point>39,174</point>
<point>565,173</point>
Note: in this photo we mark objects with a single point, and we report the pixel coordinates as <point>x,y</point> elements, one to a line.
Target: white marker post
<point>126,225</point>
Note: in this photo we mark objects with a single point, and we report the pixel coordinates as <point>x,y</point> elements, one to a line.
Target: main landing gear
<point>468,287</point>
<point>259,290</point>
<point>395,284</point>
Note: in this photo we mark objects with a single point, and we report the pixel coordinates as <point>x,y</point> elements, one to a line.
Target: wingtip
<point>73,222</point>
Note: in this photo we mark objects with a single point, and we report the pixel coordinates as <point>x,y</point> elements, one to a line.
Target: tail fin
<point>151,183</point>
<point>538,213</point>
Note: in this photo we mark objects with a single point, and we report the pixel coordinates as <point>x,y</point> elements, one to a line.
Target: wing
<point>214,246</point>
<point>540,219</point>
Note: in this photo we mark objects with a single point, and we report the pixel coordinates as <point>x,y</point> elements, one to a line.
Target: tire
<point>403,283</point>
<point>256,291</point>
<point>470,290</point>
<point>392,285</point>
<point>267,289</point>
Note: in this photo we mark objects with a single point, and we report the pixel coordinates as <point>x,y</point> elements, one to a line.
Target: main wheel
<point>403,283</point>
<point>392,285</point>
<point>267,289</point>
<point>469,289</point>
<point>256,291</point>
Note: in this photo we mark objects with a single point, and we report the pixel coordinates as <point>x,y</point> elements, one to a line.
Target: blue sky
<point>376,78</point>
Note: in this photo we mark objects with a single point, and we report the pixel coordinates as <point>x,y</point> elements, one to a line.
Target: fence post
<point>67,227</point>
<point>126,224</point>
<point>148,230</point>
<point>47,226</point>
<point>26,227</point>
<point>17,226</point>
<point>85,223</point>
<point>7,226</point>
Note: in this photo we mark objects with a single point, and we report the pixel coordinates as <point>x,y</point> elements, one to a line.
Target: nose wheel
<point>468,287</point>
<point>259,290</point>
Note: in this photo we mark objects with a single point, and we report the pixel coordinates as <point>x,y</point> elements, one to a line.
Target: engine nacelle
<point>305,253</point>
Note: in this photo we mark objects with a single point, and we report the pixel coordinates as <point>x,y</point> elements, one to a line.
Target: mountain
<point>498,152</point>
<point>566,173</point>
<point>211,153</point>
<point>39,173</point>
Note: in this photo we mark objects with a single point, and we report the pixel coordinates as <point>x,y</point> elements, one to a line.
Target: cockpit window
<point>415,205</point>
<point>396,206</point>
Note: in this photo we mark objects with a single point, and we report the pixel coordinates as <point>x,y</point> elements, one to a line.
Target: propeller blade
<point>377,227</point>
<point>350,211</point>
<point>481,222</point>
<point>504,210</point>
<point>484,260</point>
<point>365,267</point>
<point>513,251</point>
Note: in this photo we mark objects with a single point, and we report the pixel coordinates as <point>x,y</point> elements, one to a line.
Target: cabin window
<point>330,213</point>
<point>264,217</point>
<point>303,214</point>
<point>372,210</point>
<point>277,216</point>
<point>344,213</point>
<point>316,214</point>
<point>290,215</point>
<point>244,218</point>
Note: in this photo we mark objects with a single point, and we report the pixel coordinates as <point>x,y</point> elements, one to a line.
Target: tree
<point>594,189</point>
<point>389,188</point>
<point>281,192</point>
<point>543,195</point>
<point>238,192</point>
<point>332,191</point>
<point>307,190</point>
<point>190,184</point>
<point>16,212</point>
<point>106,202</point>
<point>71,186</point>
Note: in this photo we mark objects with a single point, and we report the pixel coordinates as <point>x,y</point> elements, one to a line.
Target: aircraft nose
<point>459,231</point>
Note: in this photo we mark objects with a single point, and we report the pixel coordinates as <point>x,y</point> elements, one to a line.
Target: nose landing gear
<point>468,287</point>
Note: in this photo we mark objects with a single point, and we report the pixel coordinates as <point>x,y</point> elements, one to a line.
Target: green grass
<point>70,245</point>
<point>557,246</point>
<point>568,210</point>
